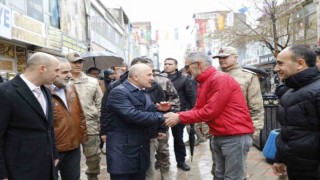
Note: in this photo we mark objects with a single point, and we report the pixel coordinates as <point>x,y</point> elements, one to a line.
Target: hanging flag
<point>157,36</point>
<point>243,10</point>
<point>212,25</point>
<point>166,34</point>
<point>230,19</point>
<point>220,20</point>
<point>176,33</point>
<point>197,26</point>
<point>203,27</point>
<point>142,34</point>
<point>148,36</point>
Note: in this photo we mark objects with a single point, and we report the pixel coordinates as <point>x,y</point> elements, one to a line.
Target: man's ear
<point>135,77</point>
<point>42,68</point>
<point>301,64</point>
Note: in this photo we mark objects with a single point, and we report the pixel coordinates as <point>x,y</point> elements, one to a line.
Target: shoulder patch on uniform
<point>246,70</point>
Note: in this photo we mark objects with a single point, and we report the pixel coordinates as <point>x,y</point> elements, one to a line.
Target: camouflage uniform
<point>90,96</point>
<point>172,96</point>
<point>169,90</point>
<point>200,129</point>
<point>250,87</point>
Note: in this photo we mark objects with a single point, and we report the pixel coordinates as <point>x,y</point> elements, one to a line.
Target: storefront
<point>12,54</point>
<point>21,36</point>
<point>12,59</point>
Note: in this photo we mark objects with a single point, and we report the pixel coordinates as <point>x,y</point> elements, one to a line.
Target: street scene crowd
<point>53,110</point>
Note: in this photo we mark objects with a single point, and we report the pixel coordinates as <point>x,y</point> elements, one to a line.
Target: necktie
<point>40,98</point>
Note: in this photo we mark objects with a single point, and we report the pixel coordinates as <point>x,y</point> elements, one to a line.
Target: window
<point>46,11</point>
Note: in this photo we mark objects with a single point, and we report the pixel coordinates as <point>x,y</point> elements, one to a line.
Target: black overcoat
<point>27,148</point>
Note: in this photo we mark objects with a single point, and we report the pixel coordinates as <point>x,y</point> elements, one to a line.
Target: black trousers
<point>141,176</point>
<point>298,175</point>
<point>178,144</point>
<point>69,165</point>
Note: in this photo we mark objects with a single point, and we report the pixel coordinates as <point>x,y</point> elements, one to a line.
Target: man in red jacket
<point>221,104</point>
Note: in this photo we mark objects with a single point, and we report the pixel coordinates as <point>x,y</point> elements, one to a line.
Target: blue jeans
<point>231,153</point>
<point>69,165</point>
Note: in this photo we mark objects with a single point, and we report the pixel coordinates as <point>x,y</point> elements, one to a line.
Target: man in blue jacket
<point>130,113</point>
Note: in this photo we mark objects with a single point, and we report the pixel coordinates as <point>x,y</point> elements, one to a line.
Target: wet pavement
<point>258,168</point>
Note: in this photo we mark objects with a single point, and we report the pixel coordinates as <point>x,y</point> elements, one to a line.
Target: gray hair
<point>199,56</point>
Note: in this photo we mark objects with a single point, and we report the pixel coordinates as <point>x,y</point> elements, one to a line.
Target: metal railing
<point>270,103</point>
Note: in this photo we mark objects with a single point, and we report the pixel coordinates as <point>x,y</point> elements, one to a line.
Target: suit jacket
<point>27,148</point>
<point>130,113</point>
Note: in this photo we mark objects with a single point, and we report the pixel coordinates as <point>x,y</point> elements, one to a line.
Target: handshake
<point>171,119</point>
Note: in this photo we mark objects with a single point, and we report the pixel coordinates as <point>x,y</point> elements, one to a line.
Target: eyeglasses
<point>186,67</point>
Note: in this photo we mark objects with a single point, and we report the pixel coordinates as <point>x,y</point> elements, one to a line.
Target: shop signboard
<point>6,65</point>
<point>28,30</point>
<point>54,38</point>
<point>70,44</point>
<point>5,21</point>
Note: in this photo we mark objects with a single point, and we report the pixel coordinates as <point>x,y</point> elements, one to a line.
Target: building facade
<point>57,27</point>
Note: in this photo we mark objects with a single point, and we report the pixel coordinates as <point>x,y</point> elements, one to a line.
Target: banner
<point>5,21</point>
<point>220,20</point>
<point>230,19</point>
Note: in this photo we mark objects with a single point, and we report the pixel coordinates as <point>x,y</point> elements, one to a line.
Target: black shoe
<point>183,166</point>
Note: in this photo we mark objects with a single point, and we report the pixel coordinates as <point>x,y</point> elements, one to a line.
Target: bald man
<point>130,114</point>
<point>27,145</point>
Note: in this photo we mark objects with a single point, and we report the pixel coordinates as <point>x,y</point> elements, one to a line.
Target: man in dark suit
<point>27,145</point>
<point>130,113</point>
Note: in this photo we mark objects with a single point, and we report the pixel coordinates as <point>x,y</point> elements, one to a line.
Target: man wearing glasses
<point>187,96</point>
<point>221,104</point>
<point>250,86</point>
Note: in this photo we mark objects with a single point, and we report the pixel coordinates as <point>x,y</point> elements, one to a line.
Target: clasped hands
<point>171,119</point>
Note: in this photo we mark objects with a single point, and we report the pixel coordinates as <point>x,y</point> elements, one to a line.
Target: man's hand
<point>279,169</point>
<point>162,135</point>
<point>104,138</point>
<point>172,119</point>
<point>56,161</point>
<point>163,106</point>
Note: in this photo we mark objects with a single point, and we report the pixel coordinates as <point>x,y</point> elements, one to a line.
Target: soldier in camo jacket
<point>171,95</point>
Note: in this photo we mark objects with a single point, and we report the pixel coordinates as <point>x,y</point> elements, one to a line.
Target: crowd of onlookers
<point>54,107</point>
